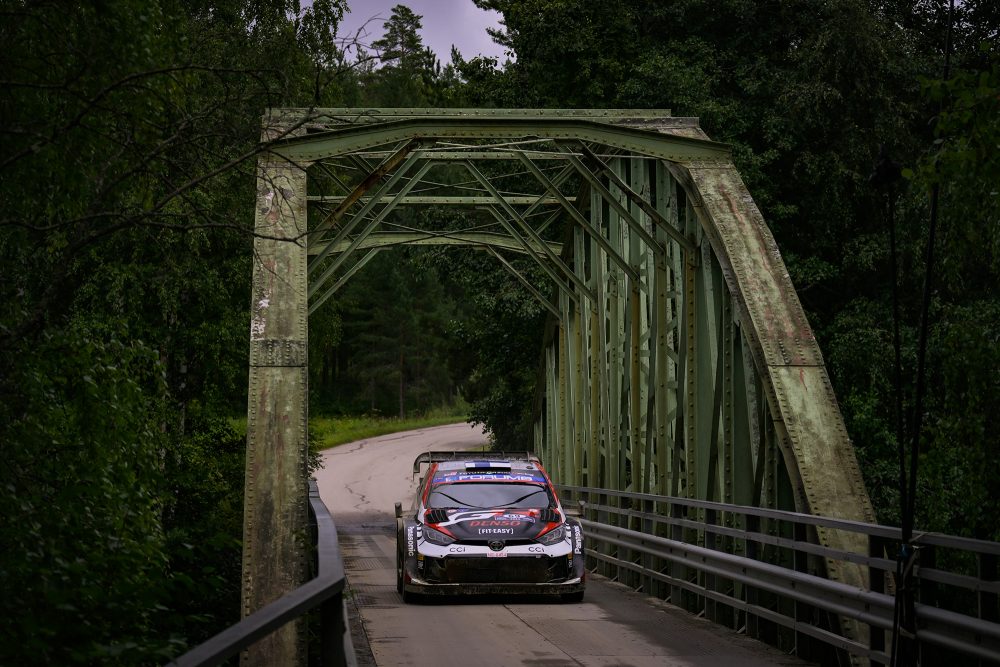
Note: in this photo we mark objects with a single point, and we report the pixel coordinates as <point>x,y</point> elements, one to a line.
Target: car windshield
<point>486,495</point>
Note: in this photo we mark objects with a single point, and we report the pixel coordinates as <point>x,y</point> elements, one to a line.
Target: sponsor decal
<point>475,519</point>
<point>410,540</point>
<point>496,554</point>
<point>456,550</point>
<point>534,549</point>
<point>488,464</point>
<point>496,531</point>
<point>479,523</point>
<point>447,478</point>
<point>577,540</point>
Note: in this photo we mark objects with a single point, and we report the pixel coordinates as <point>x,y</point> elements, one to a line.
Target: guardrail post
<point>876,583</point>
<point>987,602</point>
<point>756,627</point>
<point>988,610</point>
<point>604,548</point>
<point>627,575</point>
<point>662,564</point>
<point>648,564</point>
<point>803,611</point>
<point>635,523</point>
<point>928,594</point>
<point>738,547</point>
<point>711,613</point>
<point>332,629</point>
<point>729,587</point>
<point>586,515</point>
<point>927,559</point>
<point>678,596</point>
<point>782,556</point>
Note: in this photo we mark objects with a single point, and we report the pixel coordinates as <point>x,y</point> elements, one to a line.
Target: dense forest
<point>129,138</point>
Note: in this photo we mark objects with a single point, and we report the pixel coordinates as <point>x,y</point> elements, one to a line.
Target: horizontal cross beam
<point>354,138</point>
<point>516,200</point>
<point>484,239</point>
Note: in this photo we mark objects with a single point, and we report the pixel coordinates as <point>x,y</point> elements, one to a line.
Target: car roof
<point>486,466</point>
<point>478,472</point>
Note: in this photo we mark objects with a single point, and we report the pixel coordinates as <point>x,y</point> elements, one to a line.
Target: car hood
<point>506,524</point>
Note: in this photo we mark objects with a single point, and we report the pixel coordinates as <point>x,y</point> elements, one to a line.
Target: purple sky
<point>445,22</point>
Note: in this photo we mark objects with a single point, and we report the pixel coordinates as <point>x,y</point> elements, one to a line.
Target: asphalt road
<point>613,626</point>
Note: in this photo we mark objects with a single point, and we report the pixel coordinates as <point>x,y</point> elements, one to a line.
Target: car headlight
<point>554,536</point>
<point>437,537</point>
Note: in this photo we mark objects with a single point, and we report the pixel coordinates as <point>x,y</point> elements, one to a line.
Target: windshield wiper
<point>524,497</point>
<point>460,503</point>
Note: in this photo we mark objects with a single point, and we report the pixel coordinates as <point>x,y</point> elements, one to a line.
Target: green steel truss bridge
<point>677,360</point>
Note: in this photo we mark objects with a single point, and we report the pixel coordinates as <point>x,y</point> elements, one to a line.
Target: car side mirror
<point>399,510</point>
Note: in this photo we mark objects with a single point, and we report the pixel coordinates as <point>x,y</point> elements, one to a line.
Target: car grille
<point>473,570</point>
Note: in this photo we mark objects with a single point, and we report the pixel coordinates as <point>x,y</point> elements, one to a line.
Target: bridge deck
<point>613,626</point>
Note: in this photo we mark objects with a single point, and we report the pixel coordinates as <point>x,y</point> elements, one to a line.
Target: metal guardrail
<point>325,590</point>
<point>761,572</point>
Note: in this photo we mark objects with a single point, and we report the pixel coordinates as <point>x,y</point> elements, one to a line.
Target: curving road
<point>614,626</point>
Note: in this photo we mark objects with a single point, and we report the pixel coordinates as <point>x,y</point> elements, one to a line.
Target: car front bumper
<point>477,575</point>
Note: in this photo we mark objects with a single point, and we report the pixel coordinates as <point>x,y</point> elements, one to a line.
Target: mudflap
<point>406,557</point>
<point>579,565</point>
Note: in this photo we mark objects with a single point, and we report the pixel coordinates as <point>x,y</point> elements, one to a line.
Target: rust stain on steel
<point>760,273</point>
<point>366,185</point>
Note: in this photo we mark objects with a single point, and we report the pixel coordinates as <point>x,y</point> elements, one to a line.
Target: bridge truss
<point>677,359</point>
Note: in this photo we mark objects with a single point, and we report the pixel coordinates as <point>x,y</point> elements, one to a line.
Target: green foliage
<point>202,523</point>
<point>958,454</point>
<point>859,354</point>
<point>327,432</point>
<point>960,459</point>
<point>406,77</point>
<point>392,354</point>
<point>501,339</point>
<point>83,563</point>
<point>965,163</point>
<point>129,132</point>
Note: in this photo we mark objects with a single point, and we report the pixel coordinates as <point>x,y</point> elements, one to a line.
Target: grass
<point>327,432</point>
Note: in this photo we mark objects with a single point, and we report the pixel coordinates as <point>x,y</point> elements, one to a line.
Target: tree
<point>397,337</point>
<point>129,133</point>
<point>959,457</point>
<point>407,72</point>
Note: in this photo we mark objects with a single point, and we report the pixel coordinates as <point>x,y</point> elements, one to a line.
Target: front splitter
<point>562,588</point>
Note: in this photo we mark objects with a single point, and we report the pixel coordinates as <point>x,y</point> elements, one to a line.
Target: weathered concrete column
<point>275,506</point>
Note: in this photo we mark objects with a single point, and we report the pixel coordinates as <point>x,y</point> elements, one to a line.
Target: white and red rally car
<point>487,523</point>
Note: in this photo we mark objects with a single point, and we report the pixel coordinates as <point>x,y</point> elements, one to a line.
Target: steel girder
<point>275,509</point>
<point>678,360</point>
<point>705,379</point>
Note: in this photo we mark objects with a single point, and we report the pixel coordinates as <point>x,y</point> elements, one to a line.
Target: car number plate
<point>497,554</point>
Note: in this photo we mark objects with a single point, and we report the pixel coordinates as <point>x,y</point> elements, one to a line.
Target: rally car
<point>486,523</point>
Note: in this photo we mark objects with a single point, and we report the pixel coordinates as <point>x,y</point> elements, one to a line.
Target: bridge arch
<point>677,358</point>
